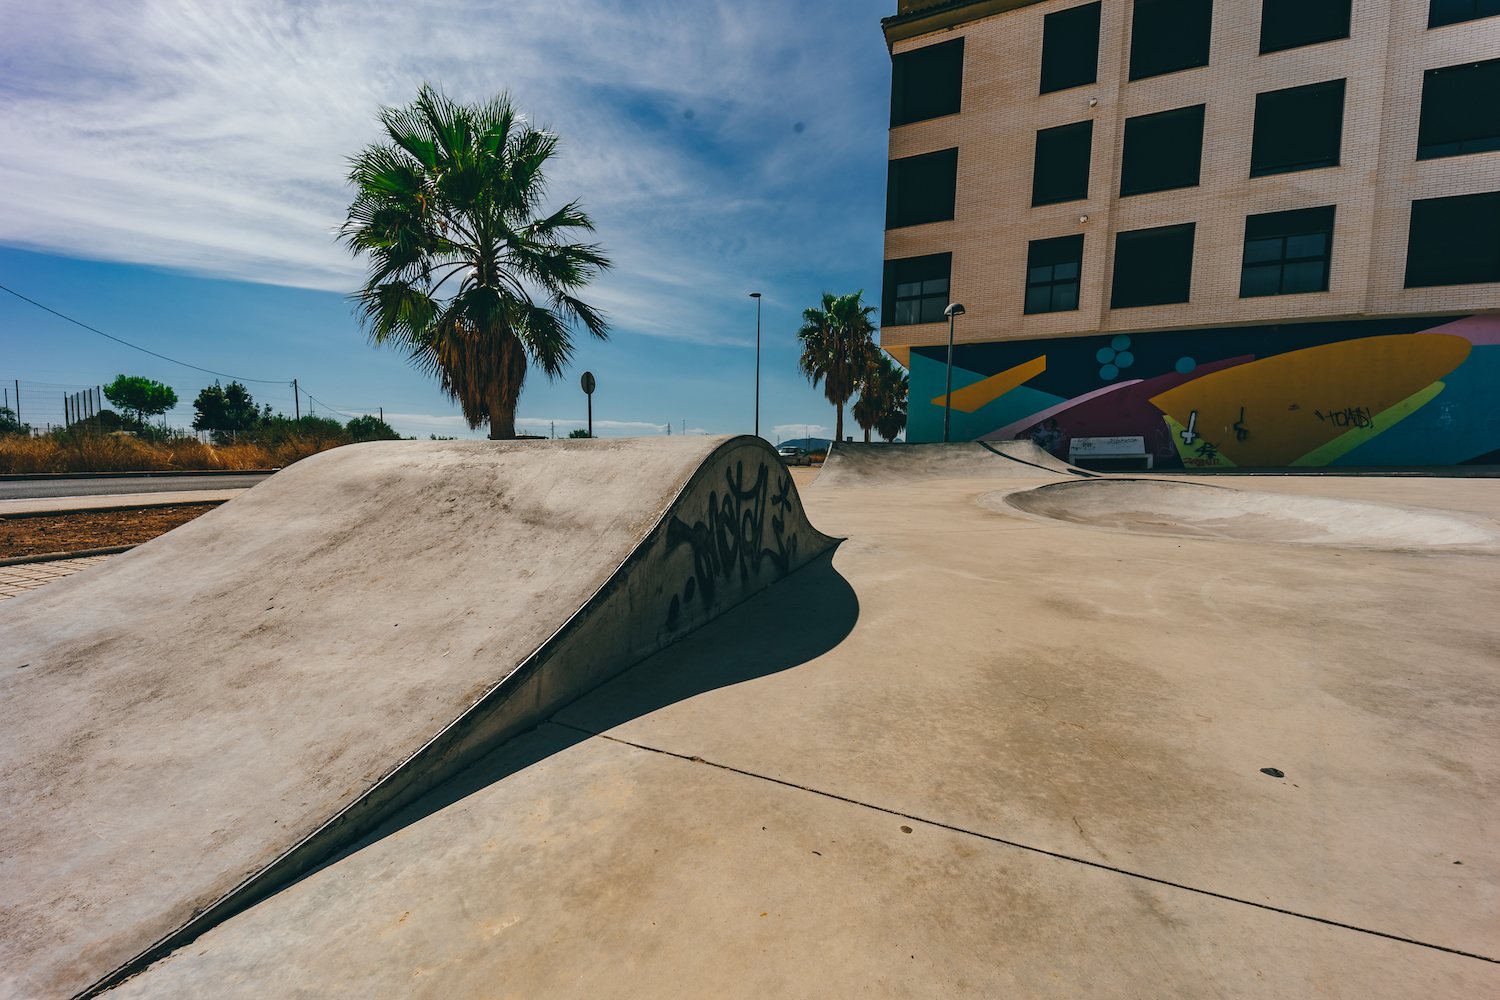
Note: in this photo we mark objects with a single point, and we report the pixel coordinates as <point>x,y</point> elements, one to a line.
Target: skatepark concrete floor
<point>971,753</point>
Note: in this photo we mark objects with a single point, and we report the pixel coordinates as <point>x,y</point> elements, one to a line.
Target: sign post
<point>587,383</point>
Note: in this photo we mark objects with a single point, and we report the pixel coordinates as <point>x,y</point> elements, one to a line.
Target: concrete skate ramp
<point>1163,507</point>
<point>202,719</point>
<point>867,465</point>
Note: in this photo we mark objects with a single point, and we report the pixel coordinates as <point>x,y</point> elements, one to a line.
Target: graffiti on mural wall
<point>1418,391</point>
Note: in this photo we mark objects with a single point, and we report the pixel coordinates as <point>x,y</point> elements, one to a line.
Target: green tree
<point>837,349</point>
<point>225,410</point>
<point>142,397</point>
<point>882,399</point>
<point>368,428</point>
<point>10,423</point>
<point>454,193</point>
<point>579,432</point>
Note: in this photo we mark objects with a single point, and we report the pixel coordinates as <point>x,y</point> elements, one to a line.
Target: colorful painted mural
<point>1410,391</point>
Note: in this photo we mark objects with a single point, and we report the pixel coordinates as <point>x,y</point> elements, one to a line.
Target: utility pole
<point>18,401</point>
<point>756,297</point>
<point>382,413</point>
<point>296,400</point>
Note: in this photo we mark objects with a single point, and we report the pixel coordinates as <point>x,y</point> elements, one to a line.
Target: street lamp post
<point>954,309</point>
<point>756,297</point>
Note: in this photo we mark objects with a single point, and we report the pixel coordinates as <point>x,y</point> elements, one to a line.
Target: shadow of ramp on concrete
<point>855,466</point>
<point>209,715</point>
<point>788,624</point>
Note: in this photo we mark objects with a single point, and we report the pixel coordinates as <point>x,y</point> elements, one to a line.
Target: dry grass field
<point>121,453</point>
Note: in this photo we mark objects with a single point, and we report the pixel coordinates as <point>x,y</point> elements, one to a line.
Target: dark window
<point>1460,110</point>
<point>1287,252</point>
<point>1070,48</point>
<point>1289,24</point>
<point>921,189</point>
<point>1162,151</point>
<point>927,82</point>
<point>1062,163</point>
<point>915,289</point>
<point>1153,267</point>
<point>1299,128</point>
<point>1169,35</point>
<point>1454,241</point>
<point>1052,274</point>
<point>1441,12</point>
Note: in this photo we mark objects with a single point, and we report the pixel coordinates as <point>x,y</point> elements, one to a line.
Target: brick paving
<point>17,580</point>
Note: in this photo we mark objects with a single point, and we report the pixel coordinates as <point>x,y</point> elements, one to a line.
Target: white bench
<point>1108,454</point>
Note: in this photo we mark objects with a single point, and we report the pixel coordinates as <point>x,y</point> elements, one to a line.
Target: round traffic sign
<point>587,382</point>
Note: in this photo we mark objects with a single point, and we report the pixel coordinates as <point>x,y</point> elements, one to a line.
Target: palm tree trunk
<point>502,425</point>
<point>838,427</point>
<point>867,435</point>
<point>505,392</point>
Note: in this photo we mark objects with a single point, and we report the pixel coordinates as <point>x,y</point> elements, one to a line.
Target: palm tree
<point>882,399</point>
<point>455,192</point>
<point>837,349</point>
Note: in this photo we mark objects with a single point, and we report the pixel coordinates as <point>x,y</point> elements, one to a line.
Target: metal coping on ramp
<point>203,719</point>
<point>855,466</point>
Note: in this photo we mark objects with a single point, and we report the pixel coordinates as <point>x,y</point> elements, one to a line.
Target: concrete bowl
<point>1163,507</point>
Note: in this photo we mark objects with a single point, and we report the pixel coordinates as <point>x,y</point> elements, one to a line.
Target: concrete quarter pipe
<point>204,718</point>
<point>873,465</point>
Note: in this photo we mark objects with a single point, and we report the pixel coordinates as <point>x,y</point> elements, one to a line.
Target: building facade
<point>1248,233</point>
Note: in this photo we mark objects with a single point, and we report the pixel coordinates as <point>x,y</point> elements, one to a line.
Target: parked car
<point>793,456</point>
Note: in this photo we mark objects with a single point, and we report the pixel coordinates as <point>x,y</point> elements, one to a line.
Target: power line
<point>70,319</point>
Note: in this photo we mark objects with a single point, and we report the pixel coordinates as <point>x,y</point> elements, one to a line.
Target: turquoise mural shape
<point>1114,357</point>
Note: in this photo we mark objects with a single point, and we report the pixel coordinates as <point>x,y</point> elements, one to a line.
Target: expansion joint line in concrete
<point>1034,850</point>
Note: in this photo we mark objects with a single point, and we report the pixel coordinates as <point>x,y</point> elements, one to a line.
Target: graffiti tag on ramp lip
<point>733,538</point>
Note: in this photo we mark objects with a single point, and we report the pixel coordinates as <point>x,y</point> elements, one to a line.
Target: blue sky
<point>173,173</point>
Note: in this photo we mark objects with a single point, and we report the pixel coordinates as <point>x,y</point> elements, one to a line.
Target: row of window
<point>1451,241</point>
<point>1166,36</point>
<point>1297,128</point>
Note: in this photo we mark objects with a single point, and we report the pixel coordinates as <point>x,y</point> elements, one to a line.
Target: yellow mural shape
<point>1196,453</point>
<point>972,397</point>
<point>1277,410</point>
<point>1354,437</point>
<point>901,354</point>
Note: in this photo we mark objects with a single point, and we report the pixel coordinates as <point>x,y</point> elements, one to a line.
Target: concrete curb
<point>100,508</point>
<point>50,477</point>
<point>107,550</point>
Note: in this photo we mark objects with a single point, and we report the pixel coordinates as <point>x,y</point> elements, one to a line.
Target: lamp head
<point>954,309</point>
<point>755,295</point>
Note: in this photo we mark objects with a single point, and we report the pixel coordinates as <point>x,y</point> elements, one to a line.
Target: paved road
<point>26,489</point>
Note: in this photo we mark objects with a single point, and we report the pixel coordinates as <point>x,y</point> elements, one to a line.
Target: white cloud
<point>213,137</point>
<point>546,423</point>
<point>800,430</point>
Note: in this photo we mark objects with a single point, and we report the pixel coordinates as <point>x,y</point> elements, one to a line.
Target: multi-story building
<point>1246,232</point>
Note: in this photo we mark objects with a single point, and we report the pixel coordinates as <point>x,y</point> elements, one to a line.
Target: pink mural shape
<point>1117,410</point>
<point>1013,430</point>
<point>1481,331</point>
